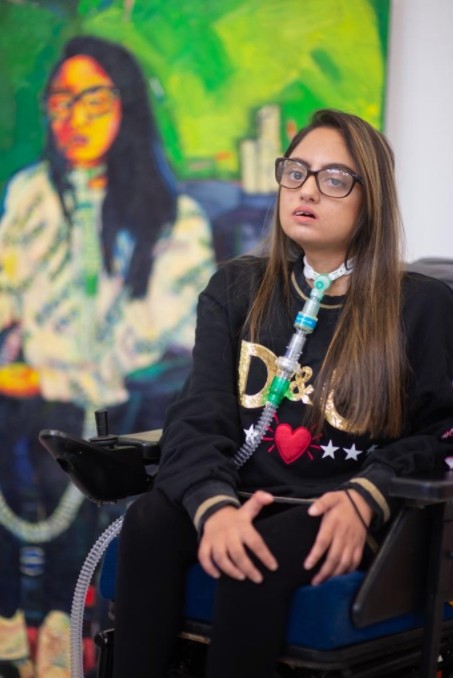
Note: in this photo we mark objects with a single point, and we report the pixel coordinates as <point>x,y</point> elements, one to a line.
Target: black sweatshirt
<point>223,399</point>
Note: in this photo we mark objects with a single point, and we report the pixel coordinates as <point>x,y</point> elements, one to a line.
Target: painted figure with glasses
<point>321,370</point>
<point>101,263</point>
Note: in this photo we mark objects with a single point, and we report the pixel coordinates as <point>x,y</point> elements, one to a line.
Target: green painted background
<point>210,65</point>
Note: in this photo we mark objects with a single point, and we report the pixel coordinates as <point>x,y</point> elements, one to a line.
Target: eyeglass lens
<point>331,181</point>
<point>96,102</point>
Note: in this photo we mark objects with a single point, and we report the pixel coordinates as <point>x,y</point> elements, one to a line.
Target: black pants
<point>158,543</point>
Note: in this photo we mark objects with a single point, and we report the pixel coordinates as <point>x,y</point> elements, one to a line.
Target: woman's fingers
<point>236,563</point>
<point>258,547</point>
<point>321,507</point>
<point>208,564</point>
<point>230,557</point>
<point>257,501</point>
<point>339,560</point>
<point>347,561</point>
<point>341,537</point>
<point>323,504</point>
<point>229,538</point>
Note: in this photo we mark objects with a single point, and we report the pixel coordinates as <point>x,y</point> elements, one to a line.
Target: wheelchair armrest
<point>433,488</point>
<point>147,441</point>
<point>106,468</point>
<point>421,531</point>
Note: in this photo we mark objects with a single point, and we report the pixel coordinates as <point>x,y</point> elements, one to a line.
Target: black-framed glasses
<point>96,101</point>
<point>334,182</point>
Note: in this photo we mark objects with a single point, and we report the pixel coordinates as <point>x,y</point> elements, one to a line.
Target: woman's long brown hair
<point>365,363</point>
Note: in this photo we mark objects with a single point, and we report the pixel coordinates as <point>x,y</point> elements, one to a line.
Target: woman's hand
<point>341,535</point>
<point>226,535</point>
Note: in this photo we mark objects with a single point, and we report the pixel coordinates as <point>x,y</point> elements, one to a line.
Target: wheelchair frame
<point>413,569</point>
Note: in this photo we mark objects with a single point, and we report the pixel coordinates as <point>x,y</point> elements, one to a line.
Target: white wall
<point>419,122</point>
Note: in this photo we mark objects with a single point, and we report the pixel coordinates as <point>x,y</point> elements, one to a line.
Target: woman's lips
<point>304,215</point>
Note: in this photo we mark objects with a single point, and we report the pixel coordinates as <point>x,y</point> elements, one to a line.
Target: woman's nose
<point>309,189</point>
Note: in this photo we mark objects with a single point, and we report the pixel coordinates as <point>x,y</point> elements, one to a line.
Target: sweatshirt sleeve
<point>202,429</point>
<point>428,436</point>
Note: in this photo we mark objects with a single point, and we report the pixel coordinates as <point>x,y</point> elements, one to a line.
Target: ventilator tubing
<point>80,592</point>
<point>287,365</point>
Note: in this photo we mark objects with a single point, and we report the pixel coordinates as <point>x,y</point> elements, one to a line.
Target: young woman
<point>370,396</point>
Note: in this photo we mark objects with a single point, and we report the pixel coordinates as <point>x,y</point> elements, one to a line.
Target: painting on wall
<point>138,140</point>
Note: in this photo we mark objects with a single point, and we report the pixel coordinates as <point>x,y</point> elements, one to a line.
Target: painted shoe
<point>53,651</point>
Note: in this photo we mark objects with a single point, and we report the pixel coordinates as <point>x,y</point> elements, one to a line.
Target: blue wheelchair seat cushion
<point>319,616</point>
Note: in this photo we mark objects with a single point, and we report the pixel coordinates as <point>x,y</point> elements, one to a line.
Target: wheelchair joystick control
<point>103,436</point>
<point>102,423</point>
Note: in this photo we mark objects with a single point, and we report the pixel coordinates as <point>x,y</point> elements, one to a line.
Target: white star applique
<point>352,453</point>
<point>249,434</point>
<point>329,450</point>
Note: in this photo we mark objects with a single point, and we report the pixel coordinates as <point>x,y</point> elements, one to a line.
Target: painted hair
<point>365,363</point>
<point>141,192</point>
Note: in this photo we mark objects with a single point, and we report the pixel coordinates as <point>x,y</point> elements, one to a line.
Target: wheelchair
<point>393,620</point>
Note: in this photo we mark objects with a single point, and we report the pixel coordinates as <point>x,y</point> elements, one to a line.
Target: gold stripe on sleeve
<point>375,493</point>
<point>212,501</point>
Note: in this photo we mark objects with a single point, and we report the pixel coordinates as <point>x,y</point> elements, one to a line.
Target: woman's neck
<point>316,265</point>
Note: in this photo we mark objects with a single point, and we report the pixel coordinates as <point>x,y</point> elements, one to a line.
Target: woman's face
<point>84,110</point>
<point>321,225</point>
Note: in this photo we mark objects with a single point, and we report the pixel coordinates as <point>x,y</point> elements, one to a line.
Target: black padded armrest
<point>429,489</point>
<point>147,441</point>
<point>104,469</point>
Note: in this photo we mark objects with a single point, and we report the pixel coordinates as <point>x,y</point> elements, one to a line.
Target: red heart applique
<point>292,444</point>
